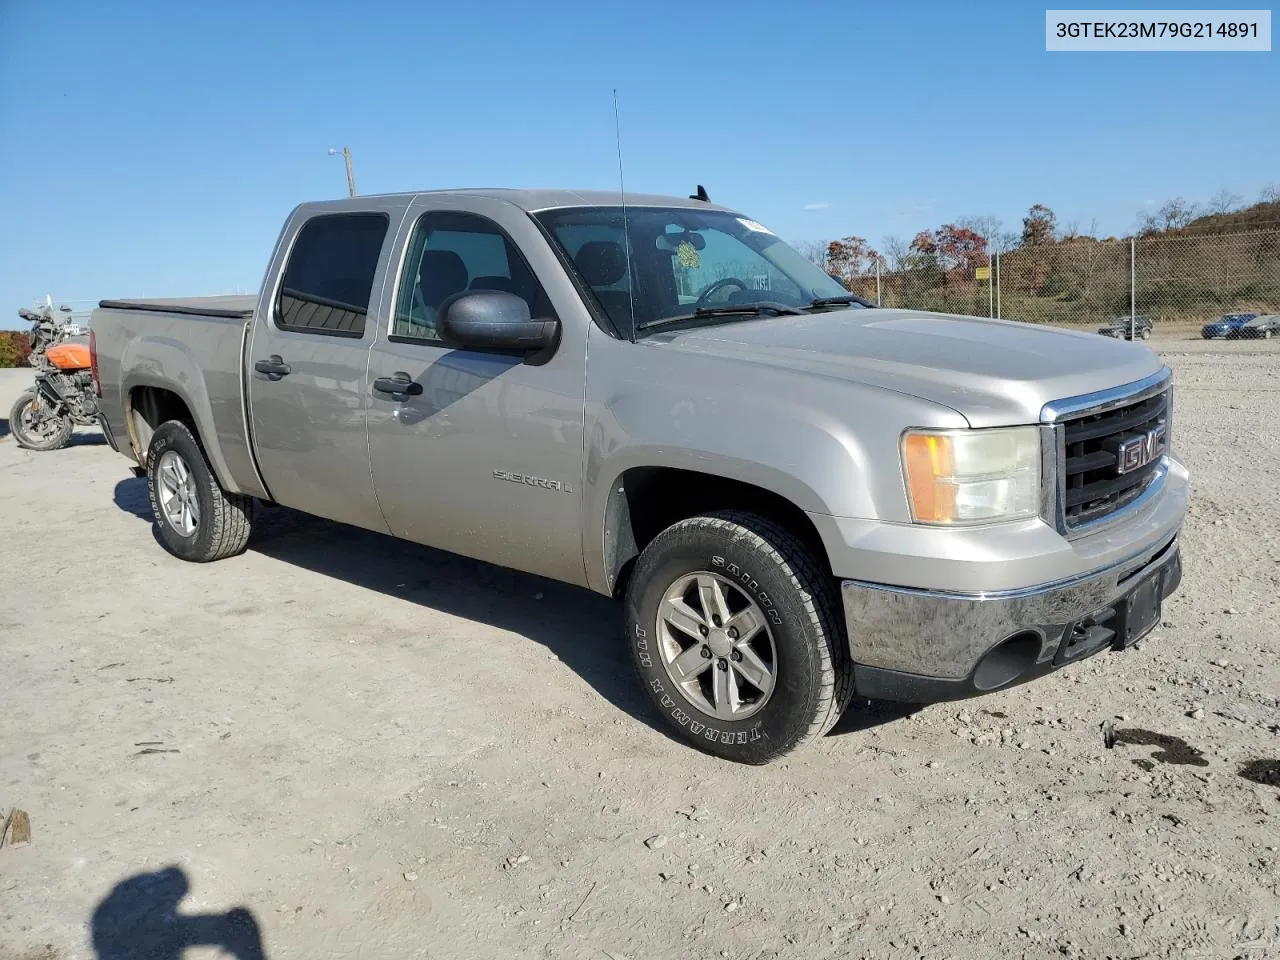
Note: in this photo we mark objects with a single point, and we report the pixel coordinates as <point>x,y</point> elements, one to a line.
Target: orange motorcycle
<point>64,395</point>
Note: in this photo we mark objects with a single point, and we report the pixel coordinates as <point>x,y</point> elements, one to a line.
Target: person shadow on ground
<point>139,920</point>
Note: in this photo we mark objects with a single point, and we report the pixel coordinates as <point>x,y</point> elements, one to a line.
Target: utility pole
<point>351,177</point>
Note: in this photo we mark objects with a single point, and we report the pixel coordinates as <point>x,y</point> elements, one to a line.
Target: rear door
<point>307,363</point>
<point>485,459</point>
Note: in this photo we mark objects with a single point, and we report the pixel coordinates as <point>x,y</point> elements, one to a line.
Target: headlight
<point>972,476</point>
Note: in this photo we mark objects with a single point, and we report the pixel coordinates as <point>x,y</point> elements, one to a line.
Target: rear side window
<point>329,277</point>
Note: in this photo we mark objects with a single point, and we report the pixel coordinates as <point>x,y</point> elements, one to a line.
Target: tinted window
<point>453,252</point>
<point>329,277</point>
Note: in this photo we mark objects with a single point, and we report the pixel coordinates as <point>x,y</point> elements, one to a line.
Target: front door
<point>482,456</point>
<point>307,363</point>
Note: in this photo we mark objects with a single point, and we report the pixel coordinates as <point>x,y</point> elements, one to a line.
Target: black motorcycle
<point>63,395</point>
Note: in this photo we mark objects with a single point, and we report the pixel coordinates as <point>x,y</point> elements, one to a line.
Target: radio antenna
<point>626,232</point>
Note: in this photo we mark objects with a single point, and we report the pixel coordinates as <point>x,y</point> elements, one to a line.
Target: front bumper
<point>975,643</point>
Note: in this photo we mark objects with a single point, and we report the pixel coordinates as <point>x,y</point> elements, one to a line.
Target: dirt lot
<point>338,745</point>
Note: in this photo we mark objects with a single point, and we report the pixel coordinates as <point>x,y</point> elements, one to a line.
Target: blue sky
<point>154,148</point>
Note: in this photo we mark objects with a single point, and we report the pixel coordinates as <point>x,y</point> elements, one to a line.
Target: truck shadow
<point>580,627</point>
<point>4,427</point>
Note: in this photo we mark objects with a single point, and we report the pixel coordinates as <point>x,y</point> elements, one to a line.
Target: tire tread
<point>57,442</point>
<point>230,517</point>
<point>816,588</point>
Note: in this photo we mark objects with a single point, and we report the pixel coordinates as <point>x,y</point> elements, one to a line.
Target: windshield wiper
<point>836,301</point>
<point>731,310</point>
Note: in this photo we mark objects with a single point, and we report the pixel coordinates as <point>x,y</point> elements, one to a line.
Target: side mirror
<point>493,320</point>
<point>64,308</point>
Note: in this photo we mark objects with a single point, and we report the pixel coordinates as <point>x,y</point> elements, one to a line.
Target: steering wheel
<point>705,295</point>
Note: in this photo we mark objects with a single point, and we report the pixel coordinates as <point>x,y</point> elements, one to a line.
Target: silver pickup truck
<point>797,497</point>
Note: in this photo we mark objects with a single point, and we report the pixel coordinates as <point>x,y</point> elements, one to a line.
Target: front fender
<point>828,447</point>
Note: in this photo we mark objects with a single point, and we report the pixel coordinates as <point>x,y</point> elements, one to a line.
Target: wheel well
<point>148,408</point>
<point>646,500</point>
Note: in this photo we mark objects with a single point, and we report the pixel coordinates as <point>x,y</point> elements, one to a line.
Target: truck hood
<point>993,372</point>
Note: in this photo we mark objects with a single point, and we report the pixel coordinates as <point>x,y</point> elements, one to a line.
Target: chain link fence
<point>1167,287</point>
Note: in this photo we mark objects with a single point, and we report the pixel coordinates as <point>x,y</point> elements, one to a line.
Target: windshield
<point>684,260</point>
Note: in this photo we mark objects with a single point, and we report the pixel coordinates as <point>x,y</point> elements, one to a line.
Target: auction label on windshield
<point>1157,31</point>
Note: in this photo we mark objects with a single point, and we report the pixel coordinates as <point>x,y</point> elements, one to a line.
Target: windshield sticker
<point>752,225</point>
<point>687,255</point>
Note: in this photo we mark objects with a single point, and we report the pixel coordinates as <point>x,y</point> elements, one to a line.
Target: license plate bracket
<point>1141,611</point>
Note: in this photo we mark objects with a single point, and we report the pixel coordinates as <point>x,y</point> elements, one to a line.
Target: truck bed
<point>191,346</point>
<point>237,307</point>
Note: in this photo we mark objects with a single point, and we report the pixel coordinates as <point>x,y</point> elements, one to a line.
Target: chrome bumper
<point>923,646</point>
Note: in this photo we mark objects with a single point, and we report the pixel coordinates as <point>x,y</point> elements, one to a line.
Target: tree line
<point>972,241</point>
<point>1192,259</point>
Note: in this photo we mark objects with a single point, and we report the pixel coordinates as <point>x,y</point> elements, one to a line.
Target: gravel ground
<point>338,745</point>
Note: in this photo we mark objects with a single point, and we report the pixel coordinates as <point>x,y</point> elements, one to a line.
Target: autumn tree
<point>1224,201</point>
<point>815,251</point>
<point>851,257</point>
<point>897,251</point>
<point>1039,226</point>
<point>955,247</point>
<point>987,226</point>
<point>1173,214</point>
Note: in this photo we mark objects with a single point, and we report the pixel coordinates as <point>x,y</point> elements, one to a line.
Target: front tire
<point>1145,334</point>
<point>195,518</point>
<point>35,432</point>
<point>735,631</point>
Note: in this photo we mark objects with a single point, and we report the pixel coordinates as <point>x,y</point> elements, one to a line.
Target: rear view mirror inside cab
<point>672,242</point>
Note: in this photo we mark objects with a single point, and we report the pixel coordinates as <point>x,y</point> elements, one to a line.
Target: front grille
<point>1091,486</point>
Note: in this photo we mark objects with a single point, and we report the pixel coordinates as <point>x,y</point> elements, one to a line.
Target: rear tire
<point>195,518</point>
<point>752,564</point>
<point>1145,334</point>
<point>57,436</point>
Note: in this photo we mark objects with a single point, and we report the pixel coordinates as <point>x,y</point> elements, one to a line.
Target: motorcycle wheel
<point>36,432</point>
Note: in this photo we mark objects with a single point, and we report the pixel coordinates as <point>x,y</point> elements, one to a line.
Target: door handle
<point>273,367</point>
<point>398,385</point>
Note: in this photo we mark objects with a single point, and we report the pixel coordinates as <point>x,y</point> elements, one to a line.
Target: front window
<point>451,252</point>
<point>687,266</point>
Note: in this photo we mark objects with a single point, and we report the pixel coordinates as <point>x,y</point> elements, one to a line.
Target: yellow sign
<point>982,273</point>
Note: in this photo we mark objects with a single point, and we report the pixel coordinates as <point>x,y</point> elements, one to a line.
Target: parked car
<point>795,498</point>
<point>1227,326</point>
<point>1264,327</point>
<point>1122,329</point>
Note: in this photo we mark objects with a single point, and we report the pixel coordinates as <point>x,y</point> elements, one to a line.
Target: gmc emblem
<point>1137,452</point>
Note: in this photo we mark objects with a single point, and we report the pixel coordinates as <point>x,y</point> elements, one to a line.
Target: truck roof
<point>534,200</point>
